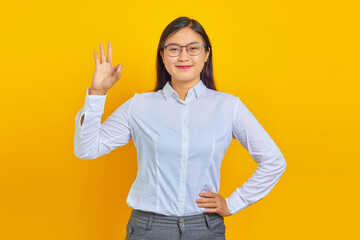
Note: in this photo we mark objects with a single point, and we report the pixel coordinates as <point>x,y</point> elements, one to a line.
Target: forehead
<point>184,36</point>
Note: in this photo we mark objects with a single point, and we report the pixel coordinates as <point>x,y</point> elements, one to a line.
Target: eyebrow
<point>180,44</point>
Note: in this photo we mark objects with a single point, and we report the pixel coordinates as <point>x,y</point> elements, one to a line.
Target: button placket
<point>184,150</point>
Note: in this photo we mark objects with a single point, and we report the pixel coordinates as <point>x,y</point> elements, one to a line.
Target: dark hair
<point>206,74</point>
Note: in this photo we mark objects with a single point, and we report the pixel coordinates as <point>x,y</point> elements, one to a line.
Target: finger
<point>97,61</point>
<point>118,69</point>
<point>202,200</point>
<point>207,205</point>
<point>211,210</point>
<point>207,194</point>
<point>102,53</point>
<point>109,57</point>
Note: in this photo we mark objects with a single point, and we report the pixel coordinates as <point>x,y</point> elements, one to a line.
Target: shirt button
<point>184,160</point>
<point>182,181</point>
<point>184,139</point>
<point>181,219</point>
<point>184,121</point>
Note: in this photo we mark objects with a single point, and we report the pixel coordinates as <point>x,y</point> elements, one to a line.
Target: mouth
<point>184,66</point>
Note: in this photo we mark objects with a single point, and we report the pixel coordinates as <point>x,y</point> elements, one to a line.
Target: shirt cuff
<point>235,203</point>
<point>94,103</point>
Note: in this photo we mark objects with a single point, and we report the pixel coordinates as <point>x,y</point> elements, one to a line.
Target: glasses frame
<point>181,48</point>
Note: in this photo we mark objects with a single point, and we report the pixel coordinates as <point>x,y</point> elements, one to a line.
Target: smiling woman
<point>172,60</point>
<point>192,60</point>
<point>181,132</point>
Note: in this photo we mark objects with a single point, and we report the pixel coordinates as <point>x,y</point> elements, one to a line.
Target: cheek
<point>170,63</point>
<point>200,64</point>
<point>169,66</point>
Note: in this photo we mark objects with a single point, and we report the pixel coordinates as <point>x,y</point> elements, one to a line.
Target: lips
<point>184,66</point>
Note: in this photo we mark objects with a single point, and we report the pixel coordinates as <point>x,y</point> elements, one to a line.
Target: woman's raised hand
<point>105,75</point>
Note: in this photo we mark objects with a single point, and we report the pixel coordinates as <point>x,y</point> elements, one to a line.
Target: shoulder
<point>228,98</point>
<point>147,96</point>
<point>144,100</point>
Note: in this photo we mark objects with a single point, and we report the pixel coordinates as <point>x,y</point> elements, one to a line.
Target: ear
<point>207,55</point>
<point>162,55</point>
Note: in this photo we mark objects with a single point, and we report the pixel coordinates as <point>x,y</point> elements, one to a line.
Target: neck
<point>182,87</point>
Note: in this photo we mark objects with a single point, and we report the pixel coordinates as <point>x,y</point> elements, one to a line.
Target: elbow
<point>84,155</point>
<point>85,151</point>
<point>280,162</point>
<point>283,163</point>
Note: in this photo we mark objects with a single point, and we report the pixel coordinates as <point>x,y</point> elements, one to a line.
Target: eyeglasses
<point>174,50</point>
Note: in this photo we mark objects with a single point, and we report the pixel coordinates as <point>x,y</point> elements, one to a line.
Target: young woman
<point>181,131</point>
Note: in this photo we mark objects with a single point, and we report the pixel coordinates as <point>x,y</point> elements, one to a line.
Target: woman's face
<point>183,37</point>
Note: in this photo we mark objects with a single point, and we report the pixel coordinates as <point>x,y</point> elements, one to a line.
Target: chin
<point>184,79</point>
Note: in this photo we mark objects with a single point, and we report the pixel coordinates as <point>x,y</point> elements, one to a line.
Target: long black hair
<point>206,74</point>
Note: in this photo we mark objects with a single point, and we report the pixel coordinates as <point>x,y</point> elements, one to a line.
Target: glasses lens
<point>173,50</point>
<point>194,49</point>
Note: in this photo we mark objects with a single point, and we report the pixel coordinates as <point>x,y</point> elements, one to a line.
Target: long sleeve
<point>93,139</point>
<point>263,150</point>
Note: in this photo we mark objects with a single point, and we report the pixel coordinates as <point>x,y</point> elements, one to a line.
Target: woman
<point>181,132</point>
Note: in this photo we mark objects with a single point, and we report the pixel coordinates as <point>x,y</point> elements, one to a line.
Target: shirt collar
<point>199,89</point>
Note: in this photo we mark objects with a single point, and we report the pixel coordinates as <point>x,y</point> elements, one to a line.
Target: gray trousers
<point>152,226</point>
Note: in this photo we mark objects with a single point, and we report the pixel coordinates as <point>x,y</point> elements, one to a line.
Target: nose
<point>183,53</point>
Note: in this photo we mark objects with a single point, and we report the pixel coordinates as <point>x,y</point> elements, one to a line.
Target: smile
<point>184,67</point>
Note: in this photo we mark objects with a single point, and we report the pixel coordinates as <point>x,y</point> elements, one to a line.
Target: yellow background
<point>295,65</point>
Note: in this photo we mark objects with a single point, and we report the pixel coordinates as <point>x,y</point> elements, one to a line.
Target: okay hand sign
<point>105,75</point>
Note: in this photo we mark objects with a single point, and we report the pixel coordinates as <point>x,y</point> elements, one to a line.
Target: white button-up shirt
<point>180,146</point>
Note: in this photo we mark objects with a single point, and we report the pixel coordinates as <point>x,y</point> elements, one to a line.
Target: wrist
<point>96,92</point>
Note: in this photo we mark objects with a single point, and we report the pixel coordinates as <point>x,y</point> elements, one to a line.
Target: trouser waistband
<point>150,218</point>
